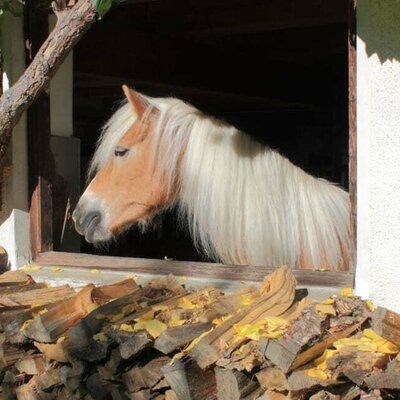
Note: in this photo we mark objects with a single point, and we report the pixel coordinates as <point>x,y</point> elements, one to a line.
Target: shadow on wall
<point>379,28</point>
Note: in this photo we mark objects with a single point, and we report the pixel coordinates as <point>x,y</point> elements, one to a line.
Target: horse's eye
<point>120,151</point>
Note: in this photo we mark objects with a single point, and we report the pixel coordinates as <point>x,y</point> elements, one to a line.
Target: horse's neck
<point>248,204</point>
<point>232,188</point>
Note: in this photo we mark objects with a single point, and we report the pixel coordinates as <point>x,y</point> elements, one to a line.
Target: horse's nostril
<point>91,219</point>
<point>85,222</point>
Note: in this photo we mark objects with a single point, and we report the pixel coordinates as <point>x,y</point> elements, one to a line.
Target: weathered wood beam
<point>352,110</point>
<point>190,268</point>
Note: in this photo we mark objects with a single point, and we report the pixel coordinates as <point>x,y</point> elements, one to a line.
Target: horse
<point>243,202</point>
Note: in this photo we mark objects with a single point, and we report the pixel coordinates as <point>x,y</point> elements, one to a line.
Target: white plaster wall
<point>378,151</point>
<point>14,217</point>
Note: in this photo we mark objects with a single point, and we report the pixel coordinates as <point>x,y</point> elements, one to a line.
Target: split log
<point>131,345</point>
<point>288,356</point>
<point>176,337</point>
<point>394,365</point>
<point>310,335</point>
<point>294,312</point>
<point>168,282</point>
<point>386,323</point>
<point>53,351</point>
<point>33,364</point>
<point>9,354</point>
<point>300,381</point>
<point>51,325</point>
<point>170,395</point>
<point>7,290</point>
<point>189,381</point>
<point>14,322</point>
<point>103,390</point>
<point>11,382</point>
<point>235,385</point>
<point>276,301</point>
<point>325,395</point>
<point>111,367</point>
<point>105,293</point>
<point>351,393</point>
<point>35,296</point>
<point>72,377</point>
<point>272,378</point>
<point>166,291</point>
<point>226,305</point>
<point>145,377</point>
<point>39,386</point>
<point>383,380</point>
<point>141,395</point>
<point>64,394</point>
<point>193,307</point>
<point>373,395</point>
<point>12,278</point>
<point>356,365</point>
<point>246,358</point>
<point>272,395</point>
<point>28,392</point>
<point>82,344</point>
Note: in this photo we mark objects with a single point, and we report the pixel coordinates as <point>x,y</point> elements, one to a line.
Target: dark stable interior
<point>275,69</point>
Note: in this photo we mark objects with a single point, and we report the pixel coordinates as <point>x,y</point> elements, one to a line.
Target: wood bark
<point>383,380</point>
<point>145,377</point>
<point>356,365</point>
<point>387,324</point>
<point>189,381</point>
<point>313,332</point>
<point>71,25</point>
<point>235,385</point>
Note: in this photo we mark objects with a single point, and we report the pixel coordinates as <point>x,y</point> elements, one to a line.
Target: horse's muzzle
<point>90,219</point>
<point>89,224</point>
<point>85,221</point>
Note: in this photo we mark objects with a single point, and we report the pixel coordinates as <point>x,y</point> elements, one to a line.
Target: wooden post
<point>41,232</point>
<point>352,59</point>
<point>39,153</point>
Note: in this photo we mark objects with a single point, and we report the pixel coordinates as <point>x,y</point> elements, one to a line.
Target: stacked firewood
<point>159,341</point>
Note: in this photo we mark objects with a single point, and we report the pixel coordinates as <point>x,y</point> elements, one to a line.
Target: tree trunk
<point>72,24</point>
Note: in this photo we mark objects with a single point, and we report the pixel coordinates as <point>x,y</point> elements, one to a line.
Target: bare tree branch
<point>72,24</point>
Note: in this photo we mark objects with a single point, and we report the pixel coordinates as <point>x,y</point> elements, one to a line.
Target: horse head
<point>126,188</point>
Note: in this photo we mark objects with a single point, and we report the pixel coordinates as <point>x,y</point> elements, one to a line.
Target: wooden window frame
<point>41,198</point>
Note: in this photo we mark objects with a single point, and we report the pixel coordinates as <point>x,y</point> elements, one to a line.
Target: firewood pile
<point>159,341</point>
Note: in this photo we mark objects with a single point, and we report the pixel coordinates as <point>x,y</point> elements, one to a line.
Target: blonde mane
<point>244,203</point>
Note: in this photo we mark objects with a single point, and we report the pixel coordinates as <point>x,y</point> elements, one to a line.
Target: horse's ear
<point>138,102</point>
